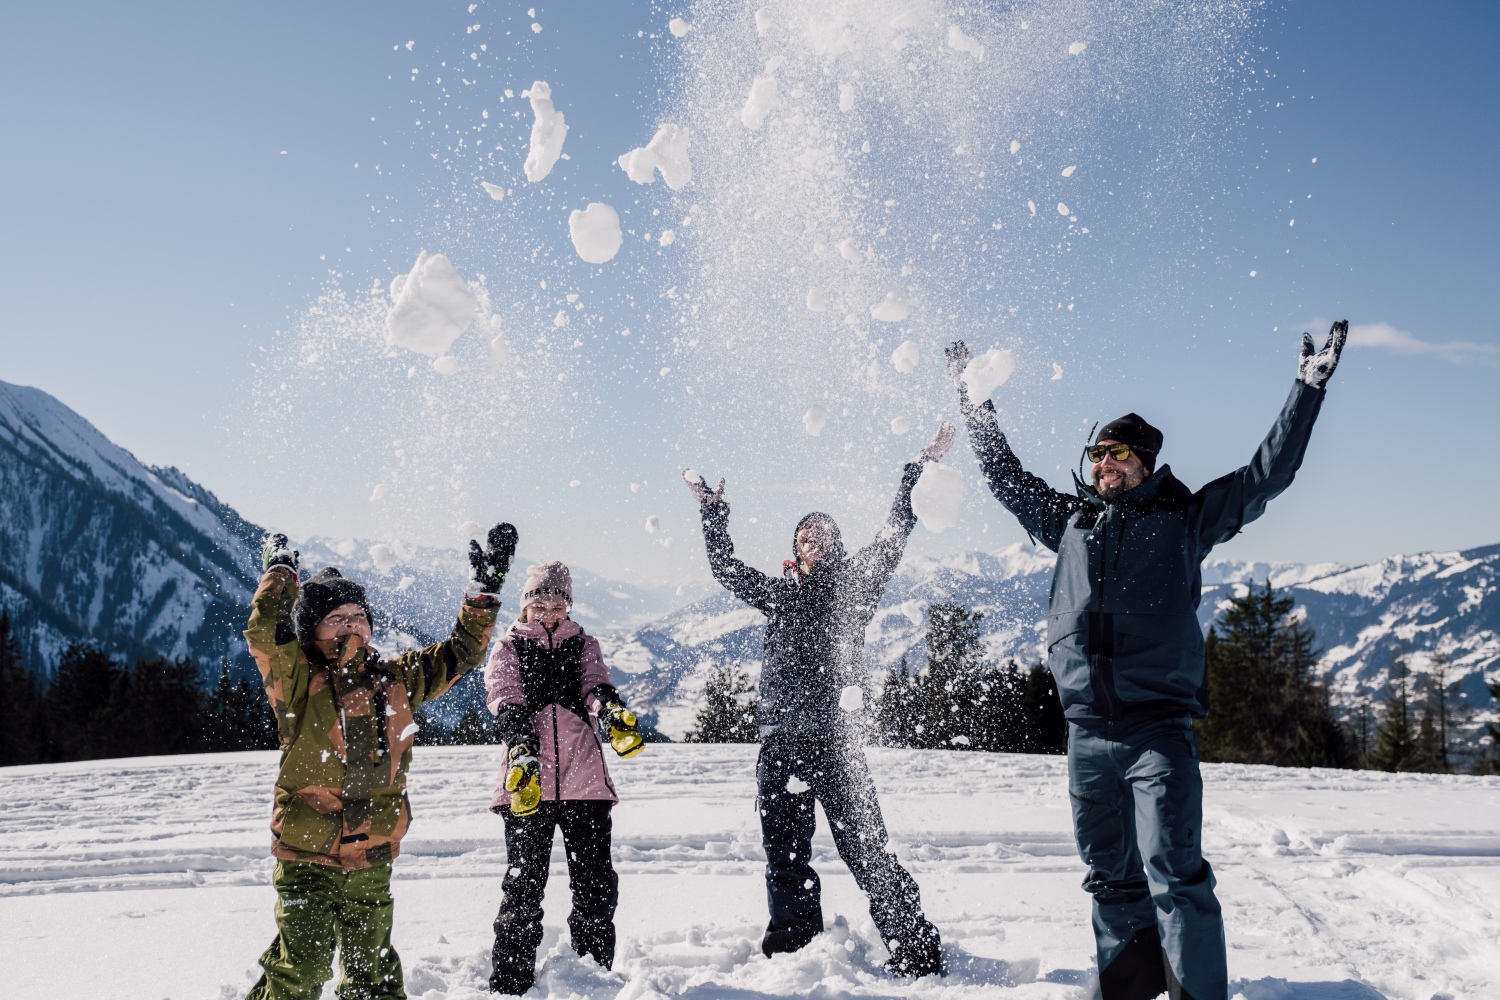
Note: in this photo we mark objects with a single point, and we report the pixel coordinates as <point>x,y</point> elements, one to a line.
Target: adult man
<point>1126,650</point>
<point>814,650</point>
<point>344,714</point>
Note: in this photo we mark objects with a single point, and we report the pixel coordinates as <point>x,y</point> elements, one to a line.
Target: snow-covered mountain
<point>96,546</point>
<point>1364,616</point>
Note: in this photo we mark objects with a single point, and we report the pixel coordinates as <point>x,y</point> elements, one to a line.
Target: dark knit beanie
<point>827,521</point>
<point>320,595</point>
<point>1132,430</point>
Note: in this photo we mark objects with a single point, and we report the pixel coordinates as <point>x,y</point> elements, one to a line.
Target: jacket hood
<point>838,554</point>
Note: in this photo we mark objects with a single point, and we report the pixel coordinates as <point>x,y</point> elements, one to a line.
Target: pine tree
<point>897,709</point>
<point>238,716</point>
<point>1395,743</point>
<point>80,706</point>
<point>159,709</point>
<point>476,727</point>
<point>21,738</point>
<point>729,709</point>
<point>1046,727</point>
<point>1489,761</point>
<point>1267,705</point>
<point>952,691</point>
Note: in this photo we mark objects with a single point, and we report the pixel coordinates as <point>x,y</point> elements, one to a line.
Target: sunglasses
<point>1118,452</point>
<point>339,621</point>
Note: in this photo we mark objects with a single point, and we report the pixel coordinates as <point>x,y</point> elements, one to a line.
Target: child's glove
<point>623,734</point>
<point>492,562</point>
<point>278,552</point>
<point>523,780</point>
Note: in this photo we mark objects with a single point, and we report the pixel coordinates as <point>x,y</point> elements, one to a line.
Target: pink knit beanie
<point>547,580</point>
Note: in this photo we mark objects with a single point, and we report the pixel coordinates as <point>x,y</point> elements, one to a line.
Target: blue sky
<point>158,238</point>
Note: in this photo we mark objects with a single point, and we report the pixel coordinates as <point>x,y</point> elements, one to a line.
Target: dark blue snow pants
<point>837,776</point>
<point>1138,816</point>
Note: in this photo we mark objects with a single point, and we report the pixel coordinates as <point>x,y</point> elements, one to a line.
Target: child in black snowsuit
<point>814,649</point>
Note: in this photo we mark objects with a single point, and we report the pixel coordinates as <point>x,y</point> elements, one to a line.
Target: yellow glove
<point>523,780</point>
<point>623,735</point>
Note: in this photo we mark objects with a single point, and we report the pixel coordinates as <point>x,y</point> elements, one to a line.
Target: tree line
<point>93,707</point>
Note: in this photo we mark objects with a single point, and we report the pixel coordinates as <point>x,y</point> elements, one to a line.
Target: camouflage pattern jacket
<point>347,730</point>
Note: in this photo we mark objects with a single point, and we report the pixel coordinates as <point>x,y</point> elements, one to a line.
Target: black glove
<point>698,487</point>
<point>491,563</point>
<point>278,552</point>
<point>1316,369</point>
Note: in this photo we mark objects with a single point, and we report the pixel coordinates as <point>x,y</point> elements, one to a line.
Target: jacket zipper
<point>556,760</point>
<point>1106,678</point>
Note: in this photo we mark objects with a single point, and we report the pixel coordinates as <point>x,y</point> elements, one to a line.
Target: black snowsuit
<point>1126,650</point>
<point>814,648</point>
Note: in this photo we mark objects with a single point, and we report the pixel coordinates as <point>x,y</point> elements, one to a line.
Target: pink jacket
<point>571,756</point>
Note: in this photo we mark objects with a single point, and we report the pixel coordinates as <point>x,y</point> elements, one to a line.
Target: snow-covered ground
<point>148,879</point>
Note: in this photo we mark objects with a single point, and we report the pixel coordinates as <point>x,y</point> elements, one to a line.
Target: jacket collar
<point>533,631</point>
<point>1161,484</point>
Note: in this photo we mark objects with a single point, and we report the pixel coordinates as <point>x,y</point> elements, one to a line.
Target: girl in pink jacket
<point>549,689</point>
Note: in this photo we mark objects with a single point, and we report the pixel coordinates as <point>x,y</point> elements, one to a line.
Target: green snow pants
<point>319,908</point>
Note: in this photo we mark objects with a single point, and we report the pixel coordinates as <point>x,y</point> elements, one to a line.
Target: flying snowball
<point>852,698</point>
<point>846,97</point>
<point>430,307</point>
<point>495,191</point>
<point>678,27</point>
<point>814,420</point>
<point>1076,49</point>
<point>1062,208</point>
<point>894,308</point>
<point>849,251</point>
<point>596,232</point>
<point>914,610</point>
<point>1056,372</point>
<point>986,373</point>
<point>470,529</point>
<point>547,132</point>
<point>760,101</point>
<point>816,301</point>
<point>378,493</point>
<point>961,42</point>
<point>938,496</point>
<point>668,152</point>
<point>1015,147</point>
<point>796,785</point>
<point>900,425</point>
<point>1031,205</point>
<point>445,365</point>
<point>653,524</point>
<point>904,358</point>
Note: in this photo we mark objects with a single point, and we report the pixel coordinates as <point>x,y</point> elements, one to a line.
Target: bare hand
<point>698,487</point>
<point>939,445</point>
<point>1316,369</point>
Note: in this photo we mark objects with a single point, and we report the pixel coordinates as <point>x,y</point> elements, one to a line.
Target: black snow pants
<point>836,775</point>
<point>591,876</point>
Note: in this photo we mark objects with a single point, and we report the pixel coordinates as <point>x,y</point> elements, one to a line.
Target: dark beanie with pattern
<point>1134,431</point>
<point>325,591</point>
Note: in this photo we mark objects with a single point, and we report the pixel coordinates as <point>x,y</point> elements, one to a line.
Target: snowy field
<point>148,879</point>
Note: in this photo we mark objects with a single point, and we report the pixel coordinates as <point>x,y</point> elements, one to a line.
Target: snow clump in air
<point>430,307</point>
<point>1076,49</point>
<point>376,495</point>
<point>904,358</point>
<point>445,365</point>
<point>1015,147</point>
<point>596,232</point>
<point>762,96</point>
<point>653,524</point>
<point>851,699</point>
<point>1068,171</point>
<point>1056,372</point>
<point>894,308</point>
<point>678,27</point>
<point>986,373</point>
<point>900,425</point>
<point>814,420</point>
<point>963,43</point>
<point>547,132</point>
<point>668,152</point>
<point>495,191</point>
<point>937,497</point>
<point>816,300</point>
<point>914,610</point>
<point>1062,208</point>
<point>796,785</point>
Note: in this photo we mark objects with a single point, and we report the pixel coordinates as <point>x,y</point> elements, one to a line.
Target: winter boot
<point>787,939</point>
<point>511,981</point>
<point>916,957</point>
<point>1139,971</point>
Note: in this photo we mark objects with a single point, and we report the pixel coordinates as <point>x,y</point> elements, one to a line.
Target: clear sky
<point>200,199</point>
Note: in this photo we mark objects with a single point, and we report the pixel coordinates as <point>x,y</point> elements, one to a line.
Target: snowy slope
<point>1363,615</point>
<point>94,545</point>
<point>1336,885</point>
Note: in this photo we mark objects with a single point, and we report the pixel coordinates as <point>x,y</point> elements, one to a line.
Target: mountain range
<point>97,547</point>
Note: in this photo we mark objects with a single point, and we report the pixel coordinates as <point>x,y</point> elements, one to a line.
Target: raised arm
<point>429,672</point>
<point>1228,504</point>
<point>745,582</point>
<point>272,638</point>
<point>1042,511</point>
<point>875,563</point>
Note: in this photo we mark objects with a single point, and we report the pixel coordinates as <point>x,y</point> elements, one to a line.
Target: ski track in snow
<point>1336,885</point>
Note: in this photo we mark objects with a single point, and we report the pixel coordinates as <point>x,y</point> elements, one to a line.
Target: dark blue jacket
<point>1123,637</point>
<point>815,627</point>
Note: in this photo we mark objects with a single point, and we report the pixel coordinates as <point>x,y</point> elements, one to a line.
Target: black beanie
<point>318,596</point>
<point>833,531</point>
<point>1132,430</point>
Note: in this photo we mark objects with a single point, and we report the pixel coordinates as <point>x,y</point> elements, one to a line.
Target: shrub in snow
<point>430,307</point>
<point>596,232</point>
